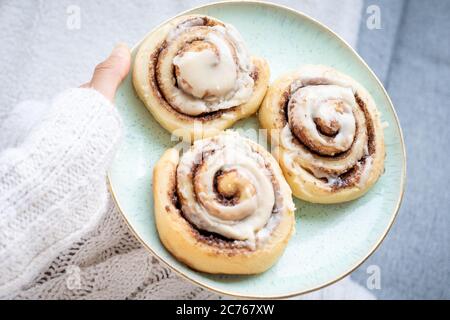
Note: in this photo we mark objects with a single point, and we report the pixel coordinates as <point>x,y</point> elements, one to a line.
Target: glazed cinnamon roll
<point>326,134</point>
<point>223,207</point>
<point>197,78</point>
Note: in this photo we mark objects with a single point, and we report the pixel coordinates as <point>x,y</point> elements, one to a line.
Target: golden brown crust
<point>209,252</point>
<point>353,180</point>
<point>145,80</point>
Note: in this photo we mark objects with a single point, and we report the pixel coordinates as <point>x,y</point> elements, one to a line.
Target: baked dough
<point>326,134</point>
<point>223,207</point>
<point>197,78</point>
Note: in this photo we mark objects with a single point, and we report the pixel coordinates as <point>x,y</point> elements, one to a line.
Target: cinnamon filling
<point>206,93</point>
<point>206,117</point>
<point>212,239</point>
<point>225,193</point>
<point>329,130</point>
<point>225,197</point>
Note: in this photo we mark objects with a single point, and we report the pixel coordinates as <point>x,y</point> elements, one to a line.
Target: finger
<point>109,74</point>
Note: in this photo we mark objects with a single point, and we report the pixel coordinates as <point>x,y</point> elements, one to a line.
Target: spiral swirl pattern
<point>328,130</point>
<point>212,67</point>
<point>328,134</point>
<point>223,206</point>
<point>228,187</point>
<point>197,69</point>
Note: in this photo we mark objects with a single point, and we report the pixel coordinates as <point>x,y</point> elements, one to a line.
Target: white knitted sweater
<point>61,236</point>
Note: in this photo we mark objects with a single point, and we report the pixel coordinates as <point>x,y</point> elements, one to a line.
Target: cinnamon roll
<point>197,78</point>
<point>223,206</point>
<point>326,134</point>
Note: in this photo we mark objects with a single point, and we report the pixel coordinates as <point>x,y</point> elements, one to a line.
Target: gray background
<point>410,54</point>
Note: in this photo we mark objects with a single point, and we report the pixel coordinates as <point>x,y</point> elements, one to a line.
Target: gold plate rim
<point>403,177</point>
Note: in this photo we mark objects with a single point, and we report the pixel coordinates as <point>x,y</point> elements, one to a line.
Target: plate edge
<point>397,123</point>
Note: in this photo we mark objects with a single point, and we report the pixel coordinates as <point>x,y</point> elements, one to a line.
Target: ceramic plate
<point>331,240</point>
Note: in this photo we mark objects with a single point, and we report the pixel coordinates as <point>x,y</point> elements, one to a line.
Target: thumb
<point>110,73</point>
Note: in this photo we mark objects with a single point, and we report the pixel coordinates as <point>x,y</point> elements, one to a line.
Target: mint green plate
<point>331,240</point>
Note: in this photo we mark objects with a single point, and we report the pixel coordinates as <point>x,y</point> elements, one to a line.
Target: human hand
<point>110,73</point>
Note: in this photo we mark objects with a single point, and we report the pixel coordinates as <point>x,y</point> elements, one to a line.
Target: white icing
<point>264,234</point>
<point>334,181</point>
<point>327,131</point>
<point>365,173</point>
<point>209,82</point>
<point>286,139</point>
<point>205,73</point>
<point>244,220</point>
<point>175,32</point>
<point>331,104</point>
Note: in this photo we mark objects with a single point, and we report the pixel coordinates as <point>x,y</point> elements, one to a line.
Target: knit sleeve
<point>53,187</point>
